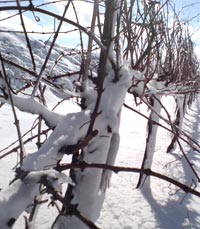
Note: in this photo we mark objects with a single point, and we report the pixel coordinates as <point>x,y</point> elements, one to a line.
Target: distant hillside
<point>62,61</point>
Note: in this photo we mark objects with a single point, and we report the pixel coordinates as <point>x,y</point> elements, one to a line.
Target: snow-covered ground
<point>164,206</point>
<point>125,207</point>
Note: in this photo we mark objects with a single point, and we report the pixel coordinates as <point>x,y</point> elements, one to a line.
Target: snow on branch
<point>69,131</point>
<point>72,208</point>
<point>27,104</point>
<point>21,191</point>
<point>30,105</point>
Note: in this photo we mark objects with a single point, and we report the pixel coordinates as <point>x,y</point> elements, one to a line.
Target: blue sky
<point>189,9</point>
<point>45,23</point>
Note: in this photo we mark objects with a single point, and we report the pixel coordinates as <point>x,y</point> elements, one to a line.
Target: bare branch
<point>50,50</point>
<point>117,169</point>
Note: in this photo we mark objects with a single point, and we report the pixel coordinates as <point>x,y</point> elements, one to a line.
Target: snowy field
<point>164,206</point>
<point>125,207</point>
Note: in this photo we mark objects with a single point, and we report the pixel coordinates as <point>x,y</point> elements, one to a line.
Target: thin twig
<point>49,52</point>
<point>22,149</point>
<point>26,35</point>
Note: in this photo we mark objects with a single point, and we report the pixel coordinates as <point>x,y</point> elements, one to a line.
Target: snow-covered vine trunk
<point>151,140</point>
<point>89,192</point>
<point>181,103</point>
<point>90,185</point>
